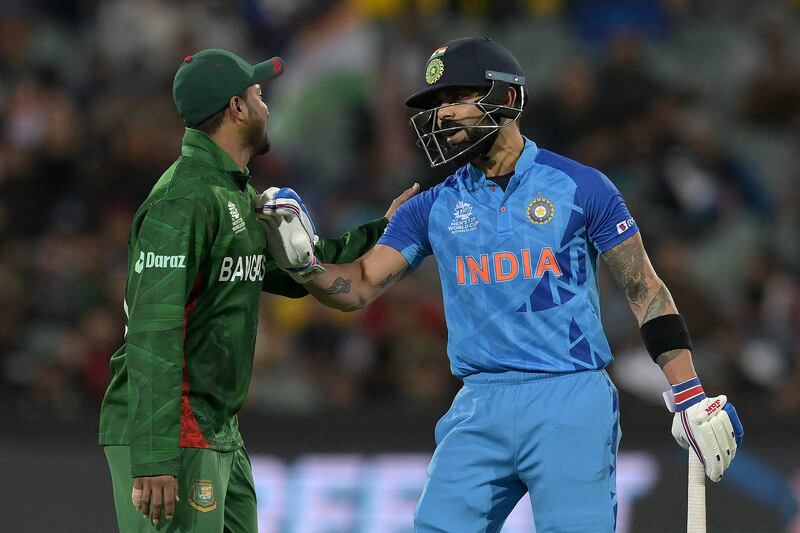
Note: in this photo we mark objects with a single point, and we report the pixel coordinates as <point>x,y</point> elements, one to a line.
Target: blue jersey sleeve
<point>407,232</point>
<point>608,221</point>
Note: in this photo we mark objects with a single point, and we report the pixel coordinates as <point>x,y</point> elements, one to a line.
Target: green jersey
<point>197,263</point>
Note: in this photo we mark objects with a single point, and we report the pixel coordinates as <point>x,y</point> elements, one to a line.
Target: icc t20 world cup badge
<point>202,497</point>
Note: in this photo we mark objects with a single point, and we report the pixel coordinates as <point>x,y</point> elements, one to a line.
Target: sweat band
<point>665,333</point>
<point>687,394</point>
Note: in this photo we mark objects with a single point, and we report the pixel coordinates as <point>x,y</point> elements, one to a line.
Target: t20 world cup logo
<point>462,211</point>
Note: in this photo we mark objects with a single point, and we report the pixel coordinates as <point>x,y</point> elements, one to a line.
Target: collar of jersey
<point>473,174</point>
<point>198,145</point>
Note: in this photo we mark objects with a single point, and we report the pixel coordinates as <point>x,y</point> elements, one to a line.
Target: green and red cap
<point>206,81</point>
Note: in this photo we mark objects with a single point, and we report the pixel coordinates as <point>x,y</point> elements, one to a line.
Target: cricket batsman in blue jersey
<point>516,232</point>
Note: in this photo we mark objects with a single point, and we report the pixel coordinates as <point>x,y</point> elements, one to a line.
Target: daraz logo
<point>151,260</point>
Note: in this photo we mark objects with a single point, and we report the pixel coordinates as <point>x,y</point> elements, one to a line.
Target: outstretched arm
<point>648,298</point>
<point>352,286</point>
<point>346,248</point>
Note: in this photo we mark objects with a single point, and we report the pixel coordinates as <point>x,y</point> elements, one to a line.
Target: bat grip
<point>696,511</point>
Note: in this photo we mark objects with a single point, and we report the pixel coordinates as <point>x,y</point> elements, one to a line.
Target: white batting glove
<point>276,203</point>
<point>290,233</point>
<point>710,426</point>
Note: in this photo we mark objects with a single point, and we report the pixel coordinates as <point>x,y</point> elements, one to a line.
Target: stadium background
<point>691,107</point>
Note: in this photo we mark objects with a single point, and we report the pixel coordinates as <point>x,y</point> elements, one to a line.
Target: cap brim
<point>268,70</point>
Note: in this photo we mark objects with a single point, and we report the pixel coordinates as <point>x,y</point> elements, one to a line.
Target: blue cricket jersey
<point>518,267</point>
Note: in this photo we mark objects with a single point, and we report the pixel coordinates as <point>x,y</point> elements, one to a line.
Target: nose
<point>443,114</point>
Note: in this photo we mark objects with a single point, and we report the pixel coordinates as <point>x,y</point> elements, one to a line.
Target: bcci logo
<point>541,211</point>
<point>434,71</point>
<point>202,497</point>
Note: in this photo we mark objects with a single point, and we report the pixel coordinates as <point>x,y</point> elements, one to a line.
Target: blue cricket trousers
<point>553,435</point>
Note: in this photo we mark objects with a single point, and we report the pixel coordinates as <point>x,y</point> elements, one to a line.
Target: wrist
<point>687,394</point>
<point>305,274</point>
<point>677,366</point>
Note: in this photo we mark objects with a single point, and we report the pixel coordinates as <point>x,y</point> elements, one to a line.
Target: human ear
<point>511,97</point>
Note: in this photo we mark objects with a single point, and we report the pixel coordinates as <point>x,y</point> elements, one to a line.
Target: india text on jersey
<point>504,266</point>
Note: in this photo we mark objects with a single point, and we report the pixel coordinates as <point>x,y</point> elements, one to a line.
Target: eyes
<point>457,97</point>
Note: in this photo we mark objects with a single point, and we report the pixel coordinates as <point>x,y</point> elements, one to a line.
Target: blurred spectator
<point>773,94</point>
<point>567,116</point>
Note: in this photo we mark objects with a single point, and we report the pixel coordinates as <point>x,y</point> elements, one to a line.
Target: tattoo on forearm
<point>391,278</point>
<point>629,266</point>
<point>666,357</point>
<point>339,286</point>
<point>658,305</point>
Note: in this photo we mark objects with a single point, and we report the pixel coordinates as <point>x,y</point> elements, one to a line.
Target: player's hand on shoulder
<point>291,235</point>
<point>709,426</point>
<point>400,200</point>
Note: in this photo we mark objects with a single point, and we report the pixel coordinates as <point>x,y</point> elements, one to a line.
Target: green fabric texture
<point>216,490</point>
<point>197,263</point>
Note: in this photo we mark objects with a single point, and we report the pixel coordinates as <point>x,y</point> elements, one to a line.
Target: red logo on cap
<point>276,66</point>
<point>187,59</point>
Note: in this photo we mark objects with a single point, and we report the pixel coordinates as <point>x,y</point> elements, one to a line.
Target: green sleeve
<point>345,249</point>
<point>167,245</point>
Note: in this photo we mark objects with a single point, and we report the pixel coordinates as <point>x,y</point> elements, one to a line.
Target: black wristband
<point>665,333</point>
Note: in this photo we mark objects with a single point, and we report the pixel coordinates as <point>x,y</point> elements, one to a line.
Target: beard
<point>256,137</point>
<point>477,141</point>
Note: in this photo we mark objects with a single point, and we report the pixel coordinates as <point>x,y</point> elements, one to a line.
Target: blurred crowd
<point>692,108</point>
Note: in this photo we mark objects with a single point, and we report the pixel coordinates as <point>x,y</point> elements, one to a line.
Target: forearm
<point>343,287</point>
<point>648,298</point>
<point>352,244</point>
<point>155,380</point>
<point>346,248</point>
<point>355,285</point>
<point>654,301</point>
<point>677,366</point>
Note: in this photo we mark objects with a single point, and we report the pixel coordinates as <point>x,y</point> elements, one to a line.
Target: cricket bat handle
<point>696,515</point>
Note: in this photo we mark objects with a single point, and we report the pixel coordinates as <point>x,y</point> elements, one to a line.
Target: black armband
<point>665,333</point>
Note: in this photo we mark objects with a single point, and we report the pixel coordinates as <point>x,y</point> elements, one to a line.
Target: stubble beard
<point>472,145</point>
<point>257,138</point>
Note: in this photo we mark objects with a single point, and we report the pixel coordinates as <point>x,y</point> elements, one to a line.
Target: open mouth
<point>457,136</point>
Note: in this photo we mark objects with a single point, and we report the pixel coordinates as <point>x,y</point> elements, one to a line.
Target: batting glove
<point>290,233</point>
<point>710,426</point>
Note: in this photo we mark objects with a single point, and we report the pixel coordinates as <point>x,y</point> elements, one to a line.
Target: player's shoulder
<point>418,207</point>
<point>577,171</point>
<point>429,196</point>
<point>193,174</point>
<point>586,178</point>
<point>187,179</point>
<point>180,187</point>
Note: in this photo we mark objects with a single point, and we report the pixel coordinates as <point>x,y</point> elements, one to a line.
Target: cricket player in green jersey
<point>198,262</point>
